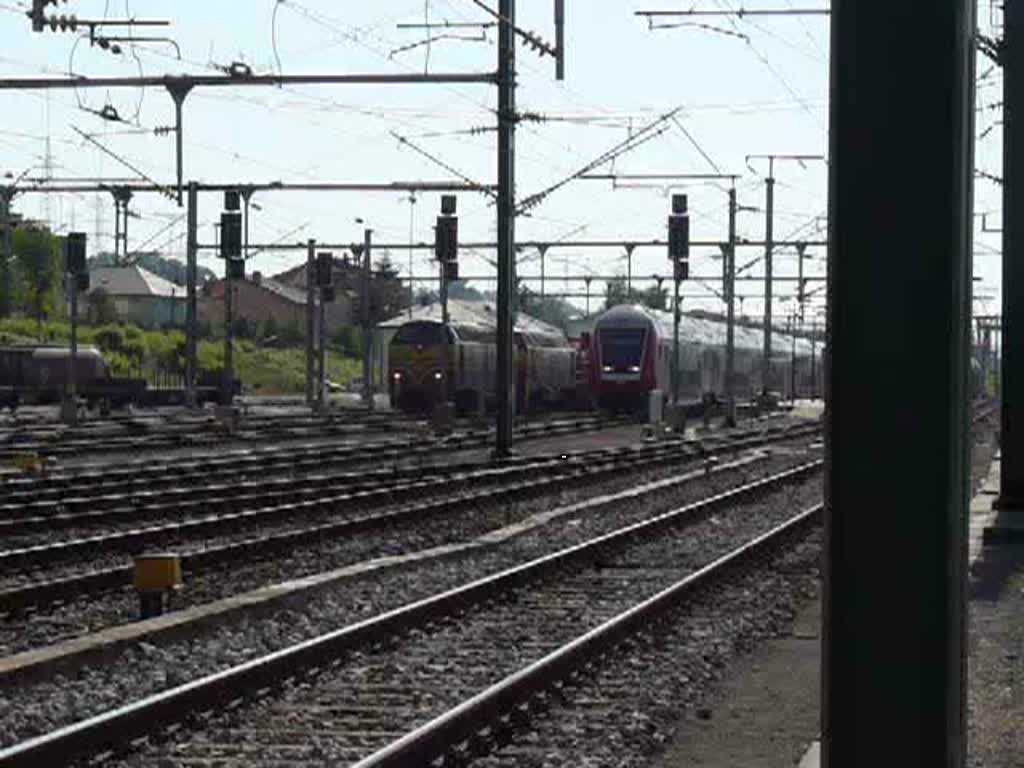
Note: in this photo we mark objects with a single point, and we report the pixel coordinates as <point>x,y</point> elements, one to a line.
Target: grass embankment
<point>156,355</point>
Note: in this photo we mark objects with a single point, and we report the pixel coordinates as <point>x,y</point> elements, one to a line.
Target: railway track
<point>79,502</point>
<point>147,474</point>
<point>638,560</point>
<point>342,513</point>
<point>144,435</point>
<point>131,434</point>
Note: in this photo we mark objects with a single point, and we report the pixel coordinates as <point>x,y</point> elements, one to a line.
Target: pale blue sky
<point>764,94</point>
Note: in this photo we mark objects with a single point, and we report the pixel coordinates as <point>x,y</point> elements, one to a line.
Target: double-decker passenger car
<point>632,349</point>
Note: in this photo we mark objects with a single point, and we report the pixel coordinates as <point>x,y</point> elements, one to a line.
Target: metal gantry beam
<point>227,81</point>
<point>897,436</point>
<point>552,244</point>
<point>38,185</point>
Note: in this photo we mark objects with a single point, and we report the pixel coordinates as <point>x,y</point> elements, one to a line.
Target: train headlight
<point>607,369</point>
<point>634,368</point>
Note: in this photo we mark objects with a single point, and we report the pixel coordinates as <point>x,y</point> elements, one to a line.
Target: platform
<point>986,638</point>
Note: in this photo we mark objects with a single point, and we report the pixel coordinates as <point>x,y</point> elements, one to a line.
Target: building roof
<point>478,314</point>
<point>133,281</point>
<point>286,292</point>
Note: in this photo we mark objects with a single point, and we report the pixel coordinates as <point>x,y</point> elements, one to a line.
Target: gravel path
<point>146,668</point>
<point>375,696</point>
<point>92,613</point>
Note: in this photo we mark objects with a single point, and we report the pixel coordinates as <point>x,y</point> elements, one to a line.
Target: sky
<point>742,87</point>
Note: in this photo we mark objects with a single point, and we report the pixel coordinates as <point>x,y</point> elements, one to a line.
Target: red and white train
<point>631,354</point>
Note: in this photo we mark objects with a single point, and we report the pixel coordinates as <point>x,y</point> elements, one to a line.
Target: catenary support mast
<point>897,474</point>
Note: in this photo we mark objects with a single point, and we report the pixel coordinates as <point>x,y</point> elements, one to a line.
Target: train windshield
<point>621,348</point>
<point>421,334</point>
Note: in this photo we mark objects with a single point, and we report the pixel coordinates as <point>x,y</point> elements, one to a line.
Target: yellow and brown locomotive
<point>428,360</point>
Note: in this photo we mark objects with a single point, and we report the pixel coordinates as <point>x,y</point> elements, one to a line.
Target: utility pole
<point>231,250</point>
<point>769,248</point>
<point>321,395</point>
<point>586,281</point>
<point>768,253</point>
<point>543,250</point>
<point>191,269</point>
<point>412,209</point>
<point>75,277</point>
<point>676,313</point>
<point>6,252</point>
<point>814,362</point>
<point>71,399</point>
<point>310,318</point>
<point>792,358</point>
<point>506,220</point>
<point>367,332</point>
<point>730,322</point>
<point>629,272</point>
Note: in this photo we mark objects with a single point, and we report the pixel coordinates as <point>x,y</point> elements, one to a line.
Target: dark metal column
<point>364,295</point>
<point>769,248</point>
<point>506,219</point>
<point>730,321</point>
<point>1011,482</point>
<point>896,487</point>
<point>310,318</point>
<point>191,319</point>
<point>6,253</point>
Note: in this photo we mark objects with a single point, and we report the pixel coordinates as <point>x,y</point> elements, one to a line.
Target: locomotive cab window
<point>422,334</point>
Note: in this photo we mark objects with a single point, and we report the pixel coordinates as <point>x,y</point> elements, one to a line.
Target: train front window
<point>420,334</point>
<point>621,348</point>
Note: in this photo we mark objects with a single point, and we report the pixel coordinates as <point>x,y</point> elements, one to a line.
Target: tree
<point>37,256</point>
<point>554,311</point>
<point>388,297</point>
<point>100,308</point>
<point>615,292</point>
<point>654,297</point>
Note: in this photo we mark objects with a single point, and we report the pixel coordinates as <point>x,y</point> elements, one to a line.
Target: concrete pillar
<point>896,487</point>
<point>1011,479</point>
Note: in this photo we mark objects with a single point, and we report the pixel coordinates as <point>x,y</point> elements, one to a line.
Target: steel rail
<point>83,499</point>
<point>58,590</point>
<point>264,459</point>
<point>26,516</point>
<point>464,722</point>
<point>118,727</point>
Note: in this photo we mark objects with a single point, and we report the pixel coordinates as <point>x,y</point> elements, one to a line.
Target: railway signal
<point>679,255</point>
<point>679,237</point>
<point>234,269</point>
<point>446,250</point>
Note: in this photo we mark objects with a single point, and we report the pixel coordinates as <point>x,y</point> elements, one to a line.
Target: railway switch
<point>156,577</point>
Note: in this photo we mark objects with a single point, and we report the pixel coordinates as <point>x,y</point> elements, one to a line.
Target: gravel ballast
<point>147,668</point>
<point>90,614</point>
